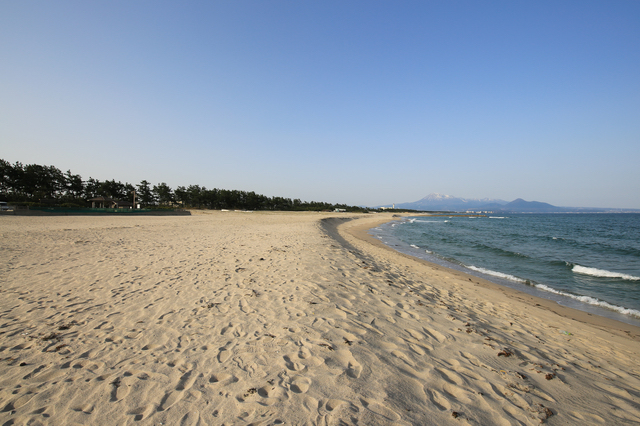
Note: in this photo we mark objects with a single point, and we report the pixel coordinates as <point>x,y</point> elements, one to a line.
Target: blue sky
<point>360,102</point>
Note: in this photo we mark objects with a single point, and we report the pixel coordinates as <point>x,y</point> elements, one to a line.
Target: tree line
<point>37,185</point>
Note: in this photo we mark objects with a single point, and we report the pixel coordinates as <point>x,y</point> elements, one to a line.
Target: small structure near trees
<point>109,203</point>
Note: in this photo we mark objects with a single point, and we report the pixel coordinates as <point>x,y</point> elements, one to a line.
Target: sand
<point>225,318</point>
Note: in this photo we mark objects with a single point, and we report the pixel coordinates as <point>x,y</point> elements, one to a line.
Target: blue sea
<point>589,262</point>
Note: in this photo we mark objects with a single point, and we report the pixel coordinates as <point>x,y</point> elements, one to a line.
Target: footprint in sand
<point>402,314</point>
<point>354,369</point>
<point>169,399</point>
<point>22,400</point>
<point>332,404</point>
<point>223,379</point>
<point>184,384</point>
<point>150,347</point>
<point>310,404</point>
<point>380,410</point>
<point>438,400</point>
<point>236,329</point>
<point>457,393</point>
<point>86,408</point>
<point>304,353</point>
<point>272,394</point>
<point>120,390</point>
<point>141,413</point>
<point>34,372</point>
<point>244,306</point>
<point>300,384</point>
<point>292,364</point>
<point>343,360</point>
<point>402,356</point>
<point>89,354</point>
<point>415,334</point>
<point>473,360</point>
<point>450,376</point>
<point>436,335</point>
<point>186,381</point>
<point>420,349</point>
<point>192,418</point>
<point>223,355</point>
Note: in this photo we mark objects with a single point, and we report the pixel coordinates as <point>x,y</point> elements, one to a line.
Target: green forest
<point>47,186</point>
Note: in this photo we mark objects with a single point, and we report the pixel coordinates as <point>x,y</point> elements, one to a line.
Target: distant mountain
<point>523,206</point>
<point>441,202</point>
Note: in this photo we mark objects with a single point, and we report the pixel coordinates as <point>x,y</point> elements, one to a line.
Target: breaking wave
<point>498,274</point>
<point>591,301</point>
<point>601,273</point>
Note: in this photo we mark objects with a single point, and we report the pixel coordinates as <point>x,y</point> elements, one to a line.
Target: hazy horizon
<point>361,103</point>
<point>487,201</point>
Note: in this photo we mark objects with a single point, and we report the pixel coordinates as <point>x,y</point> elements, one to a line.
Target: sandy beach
<point>232,318</point>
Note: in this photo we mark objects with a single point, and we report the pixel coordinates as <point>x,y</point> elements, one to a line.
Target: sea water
<point>585,261</point>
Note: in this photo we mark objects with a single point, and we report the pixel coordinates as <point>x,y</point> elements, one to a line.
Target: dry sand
<point>277,318</point>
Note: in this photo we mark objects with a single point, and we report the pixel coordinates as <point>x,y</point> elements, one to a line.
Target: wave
<point>414,246</point>
<point>601,273</point>
<point>591,301</point>
<point>498,274</point>
<point>497,217</point>
<point>584,299</point>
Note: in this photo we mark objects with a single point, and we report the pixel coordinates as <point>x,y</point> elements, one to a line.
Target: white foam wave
<point>602,273</point>
<point>497,274</point>
<point>414,246</point>
<point>591,301</point>
<point>497,217</point>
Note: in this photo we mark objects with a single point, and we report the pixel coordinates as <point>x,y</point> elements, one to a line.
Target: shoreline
<point>606,324</point>
<point>282,318</point>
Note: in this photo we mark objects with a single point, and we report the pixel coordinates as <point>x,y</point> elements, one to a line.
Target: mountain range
<point>441,202</point>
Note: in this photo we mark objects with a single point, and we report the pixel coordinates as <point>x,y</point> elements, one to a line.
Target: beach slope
<point>283,318</point>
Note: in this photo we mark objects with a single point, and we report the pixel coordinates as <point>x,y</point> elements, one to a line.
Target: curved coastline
<point>281,317</point>
<point>592,304</point>
<point>361,232</point>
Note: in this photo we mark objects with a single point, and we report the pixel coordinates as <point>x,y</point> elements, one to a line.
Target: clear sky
<point>356,102</point>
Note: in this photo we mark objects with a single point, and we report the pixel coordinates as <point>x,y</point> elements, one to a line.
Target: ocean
<point>589,262</point>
